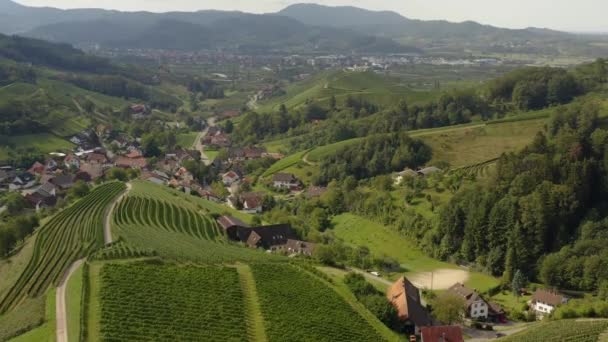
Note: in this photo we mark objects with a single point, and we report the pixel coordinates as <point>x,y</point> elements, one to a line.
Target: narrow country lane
<point>107,225</point>
<point>60,306</point>
<point>198,142</point>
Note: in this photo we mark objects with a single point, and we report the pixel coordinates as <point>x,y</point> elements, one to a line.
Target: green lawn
<point>382,241</point>
<point>211,154</point>
<point>73,304</point>
<point>186,140</point>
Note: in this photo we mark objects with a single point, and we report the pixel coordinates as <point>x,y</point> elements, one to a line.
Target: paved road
<point>107,226</point>
<point>60,307</point>
<point>198,142</point>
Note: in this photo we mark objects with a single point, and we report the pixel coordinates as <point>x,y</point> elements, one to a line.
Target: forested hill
<point>51,92</point>
<point>304,28</point>
<point>545,212</point>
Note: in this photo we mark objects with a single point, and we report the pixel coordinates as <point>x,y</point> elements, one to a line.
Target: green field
<point>71,234</point>
<point>284,163</point>
<point>171,303</point>
<point>73,297</point>
<point>321,314</point>
<point>44,332</point>
<point>382,241</point>
<point>580,330</point>
<point>185,140</point>
<point>376,88</point>
<point>43,142</point>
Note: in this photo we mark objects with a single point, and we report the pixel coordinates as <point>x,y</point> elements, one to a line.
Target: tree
<point>319,219</point>
<point>119,174</point>
<point>80,189</point>
<point>518,283</point>
<point>332,102</point>
<point>381,308</point>
<point>449,308</point>
<point>14,203</point>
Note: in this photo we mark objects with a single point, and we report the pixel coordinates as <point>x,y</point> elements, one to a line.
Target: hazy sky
<point>571,15</point>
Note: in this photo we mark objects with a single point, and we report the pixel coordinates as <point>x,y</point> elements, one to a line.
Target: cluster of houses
<point>406,299</point>
<point>275,238</point>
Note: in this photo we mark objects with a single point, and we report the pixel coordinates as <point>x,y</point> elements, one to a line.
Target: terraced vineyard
<point>299,307</point>
<point>562,331</point>
<point>171,303</point>
<point>140,211</point>
<point>477,170</point>
<point>174,229</point>
<point>121,250</point>
<point>71,234</point>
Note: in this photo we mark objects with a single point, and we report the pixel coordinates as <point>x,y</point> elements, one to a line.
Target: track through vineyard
<point>73,233</point>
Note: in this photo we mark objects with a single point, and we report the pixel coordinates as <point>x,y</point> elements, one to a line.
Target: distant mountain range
<point>297,28</point>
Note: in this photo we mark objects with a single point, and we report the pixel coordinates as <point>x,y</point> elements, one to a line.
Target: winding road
<point>198,142</point>
<point>60,304</point>
<point>107,224</point>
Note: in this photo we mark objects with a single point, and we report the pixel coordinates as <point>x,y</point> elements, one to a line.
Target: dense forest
<point>545,211</point>
<point>373,156</point>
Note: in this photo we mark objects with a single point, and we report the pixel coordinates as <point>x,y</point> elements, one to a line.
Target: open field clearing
<point>71,234</point>
<point>383,241</point>
<point>171,303</point>
<point>580,330</point>
<point>321,315</point>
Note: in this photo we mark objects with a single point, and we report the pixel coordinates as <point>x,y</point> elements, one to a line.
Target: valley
<point>319,173</point>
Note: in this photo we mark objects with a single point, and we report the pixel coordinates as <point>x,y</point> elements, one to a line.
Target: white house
<point>476,306</point>
<point>543,302</point>
<point>285,181</point>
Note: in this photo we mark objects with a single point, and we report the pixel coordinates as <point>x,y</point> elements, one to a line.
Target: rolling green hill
<point>376,88</point>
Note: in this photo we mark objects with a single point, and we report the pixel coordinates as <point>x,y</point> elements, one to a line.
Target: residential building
<point>230,178</point>
<point>451,333</point>
<point>266,237</point>
<point>427,171</point>
<point>231,225</point>
<point>252,203</point>
<point>405,297</point>
<point>476,306</point>
<point>71,161</point>
<point>37,169</point>
<point>24,180</point>
<point>544,301</point>
<point>285,181</point>
<point>63,182</point>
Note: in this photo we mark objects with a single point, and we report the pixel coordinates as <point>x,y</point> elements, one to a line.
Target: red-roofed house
<point>132,163</point>
<point>230,178</point>
<point>37,169</point>
<point>451,333</point>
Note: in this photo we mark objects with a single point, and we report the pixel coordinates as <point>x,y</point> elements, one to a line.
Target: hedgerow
<point>298,307</point>
<point>171,303</point>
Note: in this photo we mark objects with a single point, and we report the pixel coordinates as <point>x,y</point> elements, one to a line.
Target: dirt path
<point>198,142</point>
<point>371,276</point>
<point>441,279</point>
<point>60,307</point>
<point>107,225</point>
<point>255,321</point>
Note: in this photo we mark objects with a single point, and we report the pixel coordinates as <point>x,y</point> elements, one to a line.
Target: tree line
<point>543,214</point>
